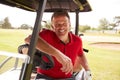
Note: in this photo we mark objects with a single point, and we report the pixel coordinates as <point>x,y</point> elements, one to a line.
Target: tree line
<point>104,24</point>
<point>5,24</point>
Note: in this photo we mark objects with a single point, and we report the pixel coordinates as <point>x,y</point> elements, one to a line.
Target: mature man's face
<point>61,25</point>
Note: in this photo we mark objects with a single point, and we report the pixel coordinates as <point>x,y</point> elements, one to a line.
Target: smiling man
<point>69,44</point>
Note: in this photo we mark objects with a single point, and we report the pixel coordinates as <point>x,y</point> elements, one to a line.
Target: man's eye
<point>64,24</point>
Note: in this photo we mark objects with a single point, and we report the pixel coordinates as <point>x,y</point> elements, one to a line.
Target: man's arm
<point>82,61</point>
<point>43,46</point>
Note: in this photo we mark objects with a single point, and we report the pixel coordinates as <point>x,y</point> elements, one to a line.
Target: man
<point>66,49</point>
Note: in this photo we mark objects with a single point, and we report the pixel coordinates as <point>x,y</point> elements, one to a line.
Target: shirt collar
<point>70,36</point>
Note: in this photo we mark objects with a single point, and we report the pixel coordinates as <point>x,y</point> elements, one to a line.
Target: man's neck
<point>65,39</point>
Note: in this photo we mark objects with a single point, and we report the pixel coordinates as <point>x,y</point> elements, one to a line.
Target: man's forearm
<point>42,45</point>
<point>84,62</point>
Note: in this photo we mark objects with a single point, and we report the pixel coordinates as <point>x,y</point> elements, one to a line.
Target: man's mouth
<point>61,31</point>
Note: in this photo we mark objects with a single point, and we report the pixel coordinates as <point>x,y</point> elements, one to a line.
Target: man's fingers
<point>67,67</point>
<point>66,62</point>
<point>25,50</point>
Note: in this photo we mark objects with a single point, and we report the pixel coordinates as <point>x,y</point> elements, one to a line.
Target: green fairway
<point>104,63</point>
<point>11,39</point>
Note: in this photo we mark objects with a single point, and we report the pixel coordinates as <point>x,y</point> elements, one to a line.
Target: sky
<point>100,9</point>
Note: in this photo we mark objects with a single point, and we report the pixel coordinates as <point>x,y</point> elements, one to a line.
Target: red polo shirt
<point>71,49</point>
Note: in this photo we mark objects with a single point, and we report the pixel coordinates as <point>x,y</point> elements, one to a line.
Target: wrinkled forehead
<point>60,19</point>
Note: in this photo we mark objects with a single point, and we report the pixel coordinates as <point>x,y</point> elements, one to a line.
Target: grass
<point>104,63</point>
<point>9,41</point>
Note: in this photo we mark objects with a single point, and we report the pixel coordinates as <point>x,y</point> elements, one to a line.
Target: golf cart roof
<point>51,5</point>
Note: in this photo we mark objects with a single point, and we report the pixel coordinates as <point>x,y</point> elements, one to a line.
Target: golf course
<point>103,55</point>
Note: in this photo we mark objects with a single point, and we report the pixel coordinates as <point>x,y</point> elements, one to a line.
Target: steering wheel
<point>44,61</point>
<point>41,59</point>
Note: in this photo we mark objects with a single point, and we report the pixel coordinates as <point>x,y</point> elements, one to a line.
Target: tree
<point>117,20</point>
<point>113,25</point>
<point>6,24</point>
<point>103,24</point>
<point>25,26</point>
<point>83,28</point>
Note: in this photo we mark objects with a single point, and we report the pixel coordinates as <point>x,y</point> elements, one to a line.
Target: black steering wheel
<point>41,59</point>
<point>44,61</point>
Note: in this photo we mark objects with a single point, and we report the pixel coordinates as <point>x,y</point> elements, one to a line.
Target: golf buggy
<point>38,6</point>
